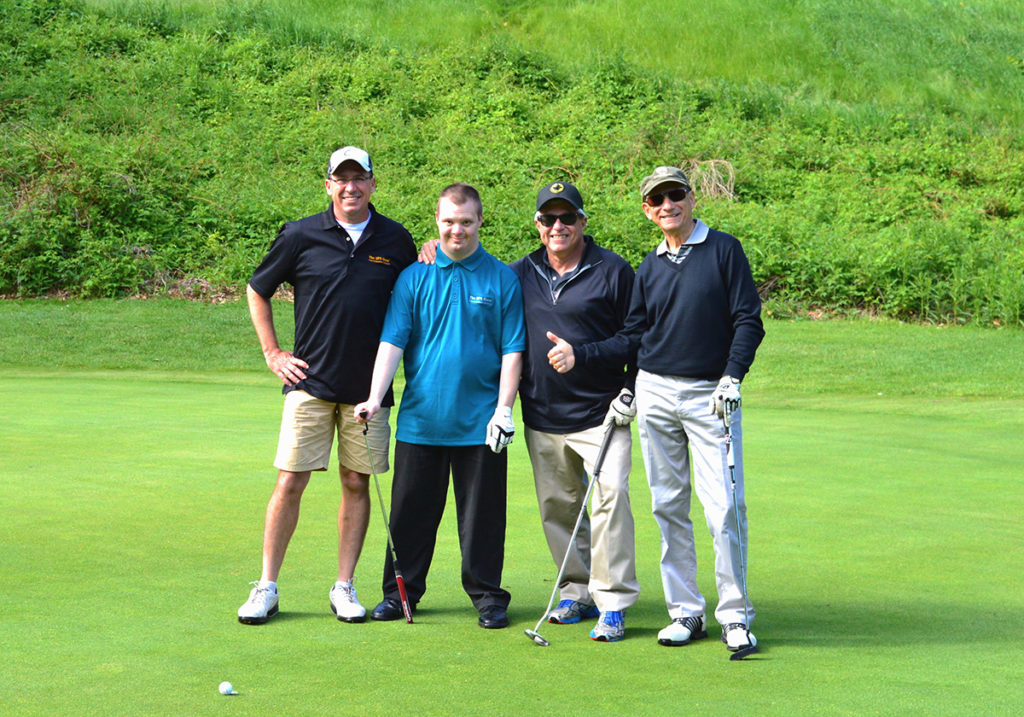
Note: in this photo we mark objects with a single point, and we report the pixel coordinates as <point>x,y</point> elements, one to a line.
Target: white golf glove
<point>500,429</point>
<point>726,399</point>
<point>622,409</point>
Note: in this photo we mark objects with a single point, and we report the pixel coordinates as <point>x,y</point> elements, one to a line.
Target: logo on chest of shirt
<point>482,300</point>
<point>386,261</point>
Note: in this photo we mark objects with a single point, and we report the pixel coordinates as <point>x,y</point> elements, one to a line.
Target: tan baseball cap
<point>663,175</point>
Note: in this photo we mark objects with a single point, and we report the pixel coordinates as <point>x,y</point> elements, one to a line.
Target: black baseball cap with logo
<point>560,190</point>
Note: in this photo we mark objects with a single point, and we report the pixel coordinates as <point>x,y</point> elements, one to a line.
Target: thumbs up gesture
<point>560,356</point>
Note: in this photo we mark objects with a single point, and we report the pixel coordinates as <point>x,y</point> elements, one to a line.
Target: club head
<point>743,652</point>
<point>536,637</point>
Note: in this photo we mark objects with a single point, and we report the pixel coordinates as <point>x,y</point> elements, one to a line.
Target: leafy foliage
<point>144,148</point>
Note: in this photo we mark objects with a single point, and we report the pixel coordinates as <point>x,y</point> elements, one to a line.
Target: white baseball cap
<point>349,154</point>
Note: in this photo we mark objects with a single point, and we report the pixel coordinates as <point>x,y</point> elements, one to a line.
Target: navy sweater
<point>700,318</point>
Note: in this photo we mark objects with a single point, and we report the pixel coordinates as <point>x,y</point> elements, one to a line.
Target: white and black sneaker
<point>261,605</point>
<point>345,604</point>
<point>683,631</point>
<point>736,637</point>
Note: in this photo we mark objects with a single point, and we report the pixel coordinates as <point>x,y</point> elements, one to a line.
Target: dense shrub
<point>141,150</point>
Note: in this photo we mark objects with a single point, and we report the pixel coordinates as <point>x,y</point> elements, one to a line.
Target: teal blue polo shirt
<point>454,320</point>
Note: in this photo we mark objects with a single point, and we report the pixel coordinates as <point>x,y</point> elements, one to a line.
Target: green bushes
<point>145,147</point>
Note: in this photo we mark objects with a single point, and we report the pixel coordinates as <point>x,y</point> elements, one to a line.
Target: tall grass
<point>155,143</point>
<point>921,55</point>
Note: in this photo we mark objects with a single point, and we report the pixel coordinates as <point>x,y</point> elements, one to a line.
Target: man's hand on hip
<point>285,366</point>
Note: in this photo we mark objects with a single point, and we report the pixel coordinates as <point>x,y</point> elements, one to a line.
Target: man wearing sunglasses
<point>695,321</point>
<point>575,290</point>
<point>342,263</point>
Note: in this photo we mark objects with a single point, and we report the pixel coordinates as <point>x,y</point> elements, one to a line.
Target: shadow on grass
<point>880,624</point>
<point>289,615</point>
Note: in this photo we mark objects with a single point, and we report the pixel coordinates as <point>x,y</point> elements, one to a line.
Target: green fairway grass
<point>884,473</point>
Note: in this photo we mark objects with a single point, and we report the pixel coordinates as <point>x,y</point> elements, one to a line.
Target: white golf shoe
<point>261,605</point>
<point>345,604</point>
<point>683,630</point>
<point>736,636</point>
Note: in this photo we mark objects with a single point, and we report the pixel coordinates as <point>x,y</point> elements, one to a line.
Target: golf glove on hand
<point>622,409</point>
<point>726,399</point>
<point>500,429</point>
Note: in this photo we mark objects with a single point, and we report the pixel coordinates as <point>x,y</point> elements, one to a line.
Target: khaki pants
<point>602,567</point>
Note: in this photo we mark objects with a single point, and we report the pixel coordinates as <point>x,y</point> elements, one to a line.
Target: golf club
<point>751,648</point>
<point>533,634</point>
<point>406,608</point>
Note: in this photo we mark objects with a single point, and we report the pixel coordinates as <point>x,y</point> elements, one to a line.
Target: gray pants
<point>602,567</point>
<point>674,423</point>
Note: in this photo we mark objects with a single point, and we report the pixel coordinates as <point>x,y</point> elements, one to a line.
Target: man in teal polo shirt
<point>459,326</point>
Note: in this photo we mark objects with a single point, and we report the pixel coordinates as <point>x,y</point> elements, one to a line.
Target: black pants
<point>418,495</point>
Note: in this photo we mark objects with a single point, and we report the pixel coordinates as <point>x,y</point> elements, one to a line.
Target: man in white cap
<point>342,264</point>
<point>695,322</point>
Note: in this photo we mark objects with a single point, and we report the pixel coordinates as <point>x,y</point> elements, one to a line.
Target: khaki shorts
<point>307,430</point>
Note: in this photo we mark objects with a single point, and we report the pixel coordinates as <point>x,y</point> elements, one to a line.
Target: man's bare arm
<point>284,365</point>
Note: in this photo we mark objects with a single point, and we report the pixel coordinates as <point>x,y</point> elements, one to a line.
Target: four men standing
<point>690,321</point>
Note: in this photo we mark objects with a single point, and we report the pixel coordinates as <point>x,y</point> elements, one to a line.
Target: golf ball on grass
<point>226,689</point>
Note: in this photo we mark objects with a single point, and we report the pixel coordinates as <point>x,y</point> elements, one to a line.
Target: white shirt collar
<point>697,236</point>
<point>355,231</point>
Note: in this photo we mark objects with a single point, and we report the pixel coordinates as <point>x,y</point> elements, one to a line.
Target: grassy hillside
<point>867,154</point>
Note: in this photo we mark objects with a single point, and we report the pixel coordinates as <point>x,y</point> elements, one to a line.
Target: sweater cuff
<point>735,371</point>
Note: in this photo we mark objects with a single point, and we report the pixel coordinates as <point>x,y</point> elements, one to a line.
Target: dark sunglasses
<point>676,195</point>
<point>548,220</point>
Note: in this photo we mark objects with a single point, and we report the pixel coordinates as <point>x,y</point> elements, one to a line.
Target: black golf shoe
<point>493,617</point>
<point>388,609</point>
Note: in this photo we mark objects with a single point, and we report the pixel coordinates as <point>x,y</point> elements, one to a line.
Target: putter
<point>534,634</point>
<point>751,648</point>
<point>406,608</point>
